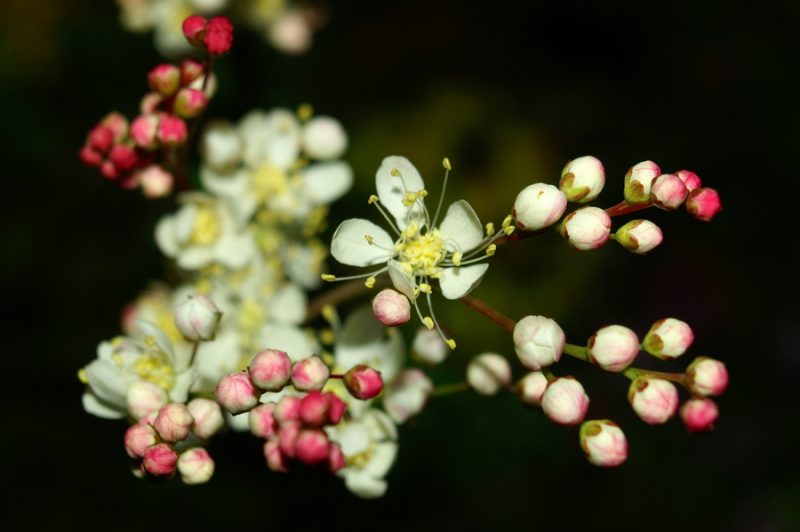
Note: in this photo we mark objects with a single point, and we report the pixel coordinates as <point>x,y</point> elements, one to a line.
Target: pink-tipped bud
<point>118,125</point>
<point>587,228</point>
<point>90,157</point>
<point>582,179</point>
<point>538,206</point>
<point>101,138</point>
<point>690,179</point>
<point>312,446</point>
<point>639,180</point>
<point>138,438</point>
<point>272,452</point>
<point>236,393</point>
<point>668,338</point>
<point>565,402</point>
<point>707,376</point>
<point>150,103</point>
<point>195,466</point>
<point>428,346</point>
<point>391,308</point>
<point>194,29</point>
<point>488,373</point>
<point>108,170</point>
<point>311,373</point>
<point>639,236</point>
<point>197,318</point>
<point>654,400</point>
<point>531,388</point>
<point>172,130</point>
<point>173,422</point>
<point>604,443</point>
<point>190,103</point>
<point>613,348</point>
<point>144,397</point>
<point>668,192</point>
<point>315,409</point>
<point>154,181</point>
<point>165,79</point>
<point>291,32</point>
<point>123,156</point>
<point>336,410</point>
<point>207,416</point>
<point>699,414</point>
<point>219,36</point>
<point>407,394</point>
<point>160,460</point>
<point>262,421</point>
<point>703,203</point>
<point>270,370</point>
<point>288,409</point>
<point>190,71</point>
<point>538,341</point>
<point>336,459</point>
<point>324,138</point>
<point>288,434</point>
<point>363,382</point>
<point>144,131</point>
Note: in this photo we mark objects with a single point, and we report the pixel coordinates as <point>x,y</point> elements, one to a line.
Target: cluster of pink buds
<point>215,35</point>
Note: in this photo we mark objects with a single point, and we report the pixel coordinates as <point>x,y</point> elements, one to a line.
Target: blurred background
<point>509,92</point>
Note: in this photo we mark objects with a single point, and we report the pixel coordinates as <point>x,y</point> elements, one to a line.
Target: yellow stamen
<point>370,239</point>
<point>508,230</point>
<point>370,282</point>
<point>425,288</point>
<point>491,249</point>
<point>456,258</point>
<point>327,336</point>
<point>395,172</point>
<point>507,221</point>
<point>328,277</point>
<point>305,112</point>
<point>446,164</point>
<point>489,229</point>
<point>428,322</point>
<point>451,343</point>
<point>372,199</point>
<point>329,313</point>
<point>83,376</point>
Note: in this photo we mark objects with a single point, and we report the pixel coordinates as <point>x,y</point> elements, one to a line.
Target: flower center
<point>154,368</point>
<point>269,181</point>
<point>420,254</point>
<point>206,227</point>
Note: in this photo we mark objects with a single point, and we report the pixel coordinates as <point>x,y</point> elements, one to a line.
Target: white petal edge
<point>349,244</point>
<point>392,189</point>
<point>93,405</point>
<point>364,485</point>
<point>461,229</point>
<point>401,280</point>
<point>326,182</point>
<point>458,282</point>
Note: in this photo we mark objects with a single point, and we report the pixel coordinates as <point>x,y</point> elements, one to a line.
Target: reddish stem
<point>493,314</point>
<point>623,208</point>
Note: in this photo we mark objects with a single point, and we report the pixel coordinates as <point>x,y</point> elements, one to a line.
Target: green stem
<point>448,389</point>
<point>634,373</point>
<point>577,351</point>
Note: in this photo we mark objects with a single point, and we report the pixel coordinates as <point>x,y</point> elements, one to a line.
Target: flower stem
<point>623,208</point>
<point>334,296</point>
<point>449,389</point>
<point>633,373</point>
<point>577,351</point>
<point>493,314</point>
<point>195,348</point>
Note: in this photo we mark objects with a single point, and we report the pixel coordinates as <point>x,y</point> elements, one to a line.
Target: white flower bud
<point>653,400</point>
<point>668,338</point>
<point>538,206</point>
<point>613,348</point>
<point>173,422</point>
<point>310,373</point>
<point>538,341</point>
<point>391,308</point>
<point>144,397</point>
<point>138,438</point>
<point>195,466</point>
<point>236,393</point>
<point>639,236</point>
<point>221,146</point>
<point>429,347</point>
<point>707,376</point>
<point>488,373</point>
<point>582,179</point>
<point>208,418</point>
<point>565,401</point>
<point>586,228</point>
<point>668,192</point>
<point>639,180</point>
<point>197,318</point>
<point>270,370</point>
<point>604,443</point>
<point>407,394</point>
<point>531,388</point>
<point>324,138</point>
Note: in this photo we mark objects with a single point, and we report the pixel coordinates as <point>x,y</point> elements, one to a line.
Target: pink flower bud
<point>565,402</point>
<point>488,373</point>
<point>197,318</point>
<point>690,179</point>
<point>143,131</point>
<point>538,342</point>
<point>336,410</point>
<point>653,400</point>
<point>270,370</point>
<point>272,453</point>
<point>262,421</point>
<point>236,393</point>
<point>173,422</point>
<point>582,179</point>
<point>604,443</point>
<point>312,446</point>
<point>90,157</point>
<point>668,192</point>
<point>310,374</point>
<point>118,125</point>
<point>363,382</point>
<point>315,409</point>
<point>391,308</point>
<point>288,409</point>
<point>707,376</point>
<point>587,228</point>
<point>207,416</point>
<point>194,29</point>
<point>336,459</point>
<point>324,138</point>
<point>190,71</point>
<point>150,103</point>
<point>428,346</point>
<point>538,206</point>
<point>288,434</point>
<point>155,181</point>
<point>407,394</point>
<point>699,414</point>
<point>123,156</point>
<point>291,32</point>
<point>668,338</point>
<point>531,388</point>
<point>165,79</point>
<point>639,180</point>
<point>613,348</point>
<point>172,130</point>
<point>195,466</point>
<point>108,170</point>
<point>190,103</point>
<point>703,203</point>
<point>144,397</point>
<point>160,460</point>
<point>138,438</point>
<point>639,236</point>
<point>219,36</point>
<point>101,138</point>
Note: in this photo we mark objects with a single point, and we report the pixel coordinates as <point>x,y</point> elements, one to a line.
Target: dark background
<point>509,92</point>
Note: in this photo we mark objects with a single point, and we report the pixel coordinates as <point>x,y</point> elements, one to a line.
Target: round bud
<point>315,408</point>
<point>531,388</point>
<point>310,374</point>
<point>312,446</point>
<point>699,414</point>
<point>668,192</point>
<point>100,138</point>
<point>160,459</point>
<point>391,308</point>
<point>488,373</point>
<point>221,146</point>
<point>336,410</point>
<point>236,393</point>
<point>172,130</point>
<point>538,341</point>
<point>90,157</point>
<point>165,79</point>
<point>144,397</point>
<point>197,318</point>
<point>707,376</point>
<point>603,442</point>
<point>291,32</point>
<point>118,125</point>
<point>287,436</point>
<point>639,236</point>
<point>190,103</point>
<point>586,228</point>
<point>288,409</point>
<point>207,416</point>
<point>653,400</point>
<point>428,346</point>
<point>195,466</point>
<point>363,382</point>
<point>690,179</point>
<point>639,180</point>
<point>173,422</point>
<point>272,453</point>
<point>194,29</point>
<point>191,70</point>
<point>582,179</point>
<point>613,348</point>
<point>219,36</point>
<point>262,421</point>
<point>123,156</point>
<point>668,338</point>
<point>138,438</point>
<point>565,402</point>
<point>538,206</point>
<point>703,203</point>
<point>407,394</point>
<point>324,138</point>
<point>154,181</point>
<point>336,459</point>
<point>144,129</point>
<point>270,370</point>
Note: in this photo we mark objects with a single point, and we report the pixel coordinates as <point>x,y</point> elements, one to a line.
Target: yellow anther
<point>451,343</point>
<point>149,341</point>
<point>373,199</point>
<point>491,249</point>
<point>422,194</point>
<point>425,288</point>
<point>328,277</point>
<point>446,164</point>
<point>206,227</point>
<point>329,313</point>
<point>457,258</point>
<point>305,111</point>
<point>370,239</point>
<point>327,358</point>
<point>83,376</point>
<point>327,336</point>
<point>507,221</point>
<point>117,341</point>
<point>508,230</point>
<point>395,172</point>
<point>410,198</point>
<point>489,229</point>
<point>428,321</point>
<point>370,282</point>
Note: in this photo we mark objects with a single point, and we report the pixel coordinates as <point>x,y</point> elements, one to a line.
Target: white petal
<point>239,423</point>
<point>284,146</point>
<point>287,338</point>
<point>392,188</point>
<point>364,485</point>
<point>165,237</point>
<point>226,185</point>
<point>109,382</point>
<point>180,390</point>
<point>360,340</point>
<point>383,456</point>
<point>216,359</point>
<point>195,257</point>
<point>151,329</point>
<point>326,182</point>
<point>288,305</point>
<point>457,282</point>
<point>184,223</point>
<point>461,228</point>
<point>234,250</point>
<point>221,146</point>
<point>353,438</point>
<point>349,244</point>
<point>93,405</point>
<point>401,280</point>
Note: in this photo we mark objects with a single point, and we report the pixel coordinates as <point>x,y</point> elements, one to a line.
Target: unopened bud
<point>312,446</point>
<point>155,181</point>
<point>613,348</point>
<point>315,409</point>
<point>603,442</point>
<point>699,414</point>
<point>194,29</point>
<point>586,228</point>
<point>582,179</point>
<point>531,388</point>
<point>407,394</point>
<point>703,203</point>
<point>150,103</point>
<point>190,103</point>
<point>123,156</point>
<point>429,347</point>
<point>262,421</point>
<point>197,318</point>
<point>191,70</point>
<point>707,376</point>
<point>363,382</point>
<point>310,374</point>
<point>207,416</point>
<point>287,435</point>
<point>565,402</point>
<point>668,192</point>
<point>336,410</point>
<point>270,370</point>
<point>272,453</point>
<point>488,373</point>
<point>172,130</point>
<point>173,422</point>
<point>336,459</point>
<point>165,79</point>
<point>639,236</point>
<point>236,393</point>
<point>144,130</point>
<point>391,308</point>
<point>668,338</point>
<point>195,466</point>
<point>538,341</point>
<point>324,138</point>
<point>288,409</point>
<point>138,438</point>
<point>653,400</point>
<point>144,397</point>
<point>100,138</point>
<point>90,157</point>
<point>219,36</point>
<point>160,460</point>
<point>690,179</point>
<point>639,180</point>
<point>538,206</point>
<point>291,32</point>
<point>118,125</point>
